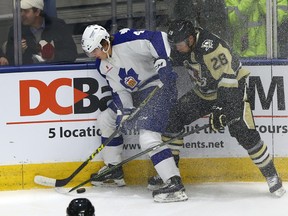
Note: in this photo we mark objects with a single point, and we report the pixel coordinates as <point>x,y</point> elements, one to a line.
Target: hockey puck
<point>81,190</point>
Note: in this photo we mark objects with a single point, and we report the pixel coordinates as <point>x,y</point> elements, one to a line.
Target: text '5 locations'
<point>61,132</point>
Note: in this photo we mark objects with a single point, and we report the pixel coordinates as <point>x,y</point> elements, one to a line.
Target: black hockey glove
<point>217,118</point>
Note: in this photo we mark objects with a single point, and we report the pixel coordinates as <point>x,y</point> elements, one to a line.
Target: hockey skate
<point>114,178</point>
<point>172,191</point>
<point>275,186</point>
<point>155,182</point>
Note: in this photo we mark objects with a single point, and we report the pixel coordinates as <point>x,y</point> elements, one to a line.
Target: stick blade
<point>45,181</point>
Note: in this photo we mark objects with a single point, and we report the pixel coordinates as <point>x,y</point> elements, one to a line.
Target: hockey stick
<point>52,182</point>
<point>107,170</point>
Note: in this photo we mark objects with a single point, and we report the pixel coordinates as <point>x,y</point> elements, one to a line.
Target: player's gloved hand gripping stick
<point>217,118</point>
<point>52,182</point>
<point>107,170</point>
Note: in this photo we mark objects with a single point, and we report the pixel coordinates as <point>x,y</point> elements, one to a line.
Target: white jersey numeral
<point>138,32</point>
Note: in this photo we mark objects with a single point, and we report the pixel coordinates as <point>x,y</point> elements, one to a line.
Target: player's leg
<point>165,166</point>
<point>111,154</point>
<point>246,134</point>
<point>187,109</point>
<point>155,182</point>
<point>152,122</point>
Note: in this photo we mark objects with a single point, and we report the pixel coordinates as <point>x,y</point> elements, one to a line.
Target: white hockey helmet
<point>92,37</point>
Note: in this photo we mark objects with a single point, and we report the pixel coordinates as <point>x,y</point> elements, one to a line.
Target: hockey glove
<point>121,121</point>
<point>217,118</point>
<point>164,69</point>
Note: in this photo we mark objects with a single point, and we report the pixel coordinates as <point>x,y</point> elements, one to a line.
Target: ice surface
<point>214,199</point>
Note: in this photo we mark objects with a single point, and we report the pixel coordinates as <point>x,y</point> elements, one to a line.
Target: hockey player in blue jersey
<point>134,62</point>
<point>219,89</point>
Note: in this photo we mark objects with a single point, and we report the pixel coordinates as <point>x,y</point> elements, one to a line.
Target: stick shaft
<point>65,181</point>
<point>140,154</point>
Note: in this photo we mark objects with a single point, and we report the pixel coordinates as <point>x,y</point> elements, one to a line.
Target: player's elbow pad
<point>165,71</point>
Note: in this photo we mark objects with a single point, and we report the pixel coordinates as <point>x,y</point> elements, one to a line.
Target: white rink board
<point>25,139</point>
<point>271,121</point>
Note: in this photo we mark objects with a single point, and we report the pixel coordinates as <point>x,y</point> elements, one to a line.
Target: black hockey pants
<point>191,107</point>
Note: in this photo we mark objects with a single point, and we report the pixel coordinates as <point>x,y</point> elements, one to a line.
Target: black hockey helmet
<point>80,207</point>
<point>179,30</point>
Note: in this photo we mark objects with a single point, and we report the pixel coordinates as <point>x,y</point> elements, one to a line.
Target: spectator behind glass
<point>44,38</point>
<point>3,59</point>
<point>248,23</point>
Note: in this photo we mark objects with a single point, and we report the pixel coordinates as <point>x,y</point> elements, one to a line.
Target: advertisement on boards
<point>52,117</point>
<point>268,98</point>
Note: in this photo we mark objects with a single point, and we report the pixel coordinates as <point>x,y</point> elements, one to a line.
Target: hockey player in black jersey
<point>219,89</point>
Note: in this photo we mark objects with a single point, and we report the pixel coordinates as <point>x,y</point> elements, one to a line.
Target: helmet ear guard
<point>179,30</point>
<point>92,37</point>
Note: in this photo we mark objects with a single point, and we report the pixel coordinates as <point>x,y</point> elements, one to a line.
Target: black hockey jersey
<point>212,65</point>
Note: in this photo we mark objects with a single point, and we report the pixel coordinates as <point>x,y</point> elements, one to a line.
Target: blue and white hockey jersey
<point>131,66</point>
